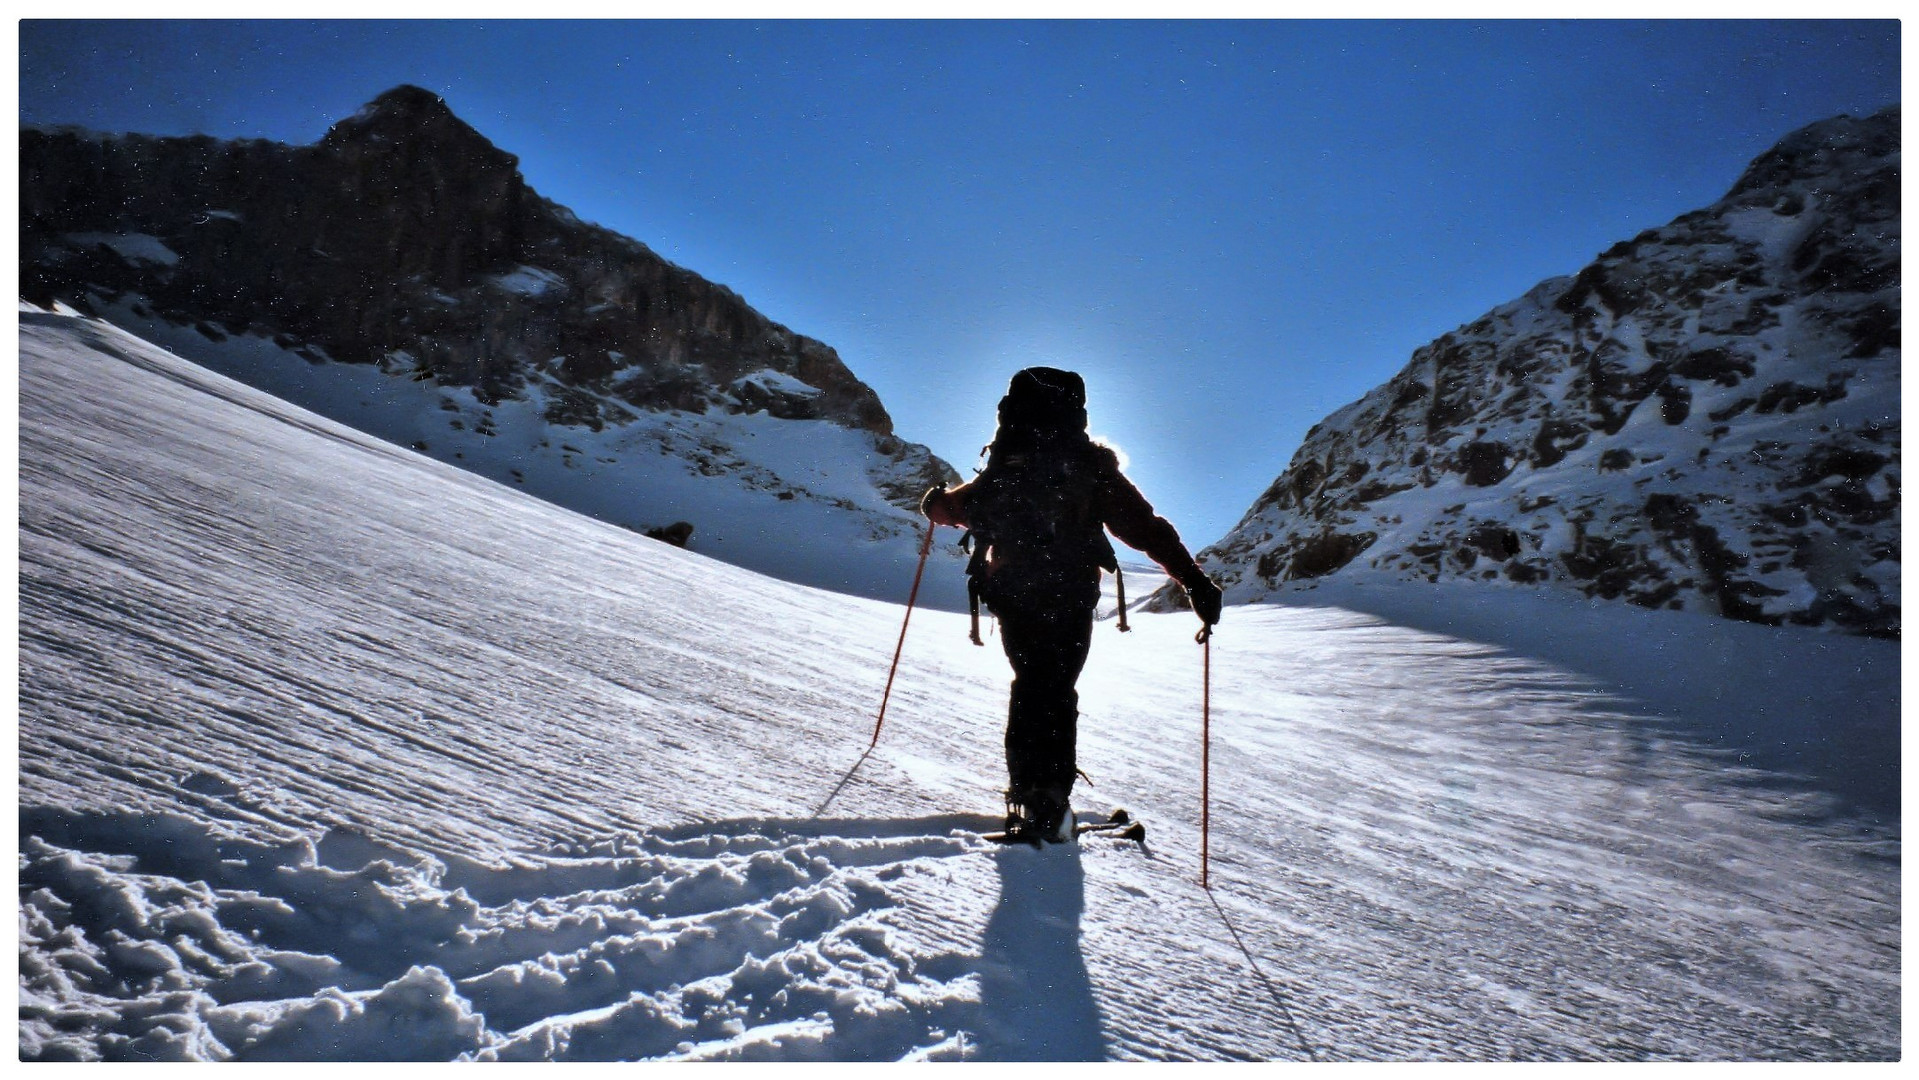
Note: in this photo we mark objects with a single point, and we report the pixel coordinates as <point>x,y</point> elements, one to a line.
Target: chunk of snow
<point>777,382</point>
<point>529,281</point>
<point>133,247</point>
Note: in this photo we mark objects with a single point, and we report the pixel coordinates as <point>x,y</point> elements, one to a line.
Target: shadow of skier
<point>1035,995</point>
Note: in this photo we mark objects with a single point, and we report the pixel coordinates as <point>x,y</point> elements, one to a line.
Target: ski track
<point>331,751</point>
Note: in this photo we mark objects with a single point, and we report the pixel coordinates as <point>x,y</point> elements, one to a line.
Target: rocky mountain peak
<point>408,119</point>
<point>404,255</point>
<point>407,106</point>
<point>1706,418</point>
<point>1835,153</point>
<point>404,236</point>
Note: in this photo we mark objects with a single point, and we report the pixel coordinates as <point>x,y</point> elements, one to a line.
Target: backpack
<point>1035,505</point>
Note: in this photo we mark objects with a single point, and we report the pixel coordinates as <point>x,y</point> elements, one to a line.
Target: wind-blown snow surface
<point>329,750</point>
<point>802,500</point>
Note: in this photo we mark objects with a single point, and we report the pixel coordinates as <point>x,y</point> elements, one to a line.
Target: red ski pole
<point>925,547</point>
<point>1205,753</point>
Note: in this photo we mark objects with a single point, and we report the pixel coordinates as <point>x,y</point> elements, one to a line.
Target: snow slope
<point>331,750</point>
<point>399,276</point>
<point>801,500</point>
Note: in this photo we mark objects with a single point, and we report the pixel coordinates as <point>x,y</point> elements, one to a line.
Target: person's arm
<point>1131,518</point>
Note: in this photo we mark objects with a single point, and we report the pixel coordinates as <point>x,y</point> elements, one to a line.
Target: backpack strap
<point>975,573</point>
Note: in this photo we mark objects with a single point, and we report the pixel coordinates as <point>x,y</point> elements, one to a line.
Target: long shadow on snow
<point>1803,705</point>
<point>1035,994</point>
<point>1036,998</point>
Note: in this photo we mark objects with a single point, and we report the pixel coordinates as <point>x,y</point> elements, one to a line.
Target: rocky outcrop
<point>1706,417</point>
<point>405,238</point>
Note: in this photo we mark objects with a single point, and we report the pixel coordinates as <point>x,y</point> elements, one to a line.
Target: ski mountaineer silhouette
<point>1037,515</point>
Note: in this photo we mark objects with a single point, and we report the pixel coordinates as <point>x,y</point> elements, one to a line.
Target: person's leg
<point>1047,649</point>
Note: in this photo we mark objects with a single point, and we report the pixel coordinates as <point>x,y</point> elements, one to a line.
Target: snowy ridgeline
<point>801,500</point>
<point>332,751</point>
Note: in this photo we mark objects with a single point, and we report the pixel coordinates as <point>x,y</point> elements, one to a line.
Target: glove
<point>938,507</point>
<point>1205,598</point>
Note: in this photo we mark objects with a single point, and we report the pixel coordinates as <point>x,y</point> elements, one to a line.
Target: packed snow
<point>329,750</point>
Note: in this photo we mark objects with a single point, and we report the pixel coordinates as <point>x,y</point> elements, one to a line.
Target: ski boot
<point>1037,820</point>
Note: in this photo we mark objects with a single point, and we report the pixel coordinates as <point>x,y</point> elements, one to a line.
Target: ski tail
<point>1119,824</point>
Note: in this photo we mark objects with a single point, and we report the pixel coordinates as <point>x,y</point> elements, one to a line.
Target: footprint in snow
<point>149,936</point>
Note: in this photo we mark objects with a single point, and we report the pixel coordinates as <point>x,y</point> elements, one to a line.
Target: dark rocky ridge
<point>405,237</point>
<point>1705,418</point>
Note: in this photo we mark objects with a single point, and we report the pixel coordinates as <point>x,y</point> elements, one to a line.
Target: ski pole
<point>925,547</point>
<point>1205,752</point>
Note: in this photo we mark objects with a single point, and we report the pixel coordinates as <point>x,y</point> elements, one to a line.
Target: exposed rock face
<point>1706,418</point>
<point>404,237</point>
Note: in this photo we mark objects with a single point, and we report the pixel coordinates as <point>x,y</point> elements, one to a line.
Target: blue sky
<point>1231,228</point>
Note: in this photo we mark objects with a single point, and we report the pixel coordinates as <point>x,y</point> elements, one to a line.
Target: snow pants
<point>1047,647</point>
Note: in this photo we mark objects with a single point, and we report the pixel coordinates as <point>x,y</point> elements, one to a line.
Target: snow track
<point>747,940</point>
<point>718,945</point>
<point>330,751</point>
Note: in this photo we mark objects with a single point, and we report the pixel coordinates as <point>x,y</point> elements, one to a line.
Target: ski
<point>1119,825</point>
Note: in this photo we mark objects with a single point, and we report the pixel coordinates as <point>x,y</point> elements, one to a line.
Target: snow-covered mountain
<point>1706,418</point>
<point>399,275</point>
<point>329,750</point>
